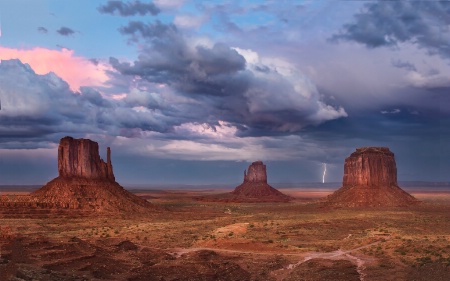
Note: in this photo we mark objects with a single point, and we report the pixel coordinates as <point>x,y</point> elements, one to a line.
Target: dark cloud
<point>42,29</point>
<point>42,108</point>
<point>94,61</point>
<point>418,139</point>
<point>169,60</point>
<point>219,78</point>
<point>129,8</point>
<point>404,64</point>
<point>65,31</point>
<point>397,126</point>
<point>388,23</point>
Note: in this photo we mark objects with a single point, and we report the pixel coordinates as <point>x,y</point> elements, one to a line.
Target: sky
<point>192,92</point>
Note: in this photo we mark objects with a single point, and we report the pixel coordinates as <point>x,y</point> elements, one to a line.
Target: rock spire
<point>255,187</point>
<point>256,173</point>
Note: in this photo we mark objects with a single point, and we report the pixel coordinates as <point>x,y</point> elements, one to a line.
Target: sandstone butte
<point>255,187</point>
<point>86,182</point>
<point>370,180</point>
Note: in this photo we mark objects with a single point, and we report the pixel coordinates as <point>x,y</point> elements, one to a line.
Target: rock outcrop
<point>370,180</point>
<point>86,182</point>
<point>370,166</point>
<point>256,173</point>
<point>255,187</point>
<point>80,158</point>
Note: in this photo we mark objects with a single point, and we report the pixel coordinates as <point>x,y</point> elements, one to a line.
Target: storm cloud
<point>129,8</point>
<point>389,23</point>
<point>404,64</point>
<point>38,109</point>
<point>257,98</point>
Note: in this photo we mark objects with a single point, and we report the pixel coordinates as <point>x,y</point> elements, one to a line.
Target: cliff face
<point>370,180</point>
<point>370,166</point>
<point>80,158</point>
<point>256,173</point>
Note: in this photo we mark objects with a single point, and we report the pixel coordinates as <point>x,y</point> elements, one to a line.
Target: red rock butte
<point>255,187</point>
<point>370,180</point>
<point>80,158</point>
<point>86,182</point>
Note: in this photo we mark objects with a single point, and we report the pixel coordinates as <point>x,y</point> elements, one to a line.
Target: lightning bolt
<point>324,172</point>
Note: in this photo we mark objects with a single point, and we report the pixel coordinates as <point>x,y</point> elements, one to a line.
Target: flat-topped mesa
<point>370,180</point>
<point>80,158</point>
<point>256,173</point>
<point>370,166</point>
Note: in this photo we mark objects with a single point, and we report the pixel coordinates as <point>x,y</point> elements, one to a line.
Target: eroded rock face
<point>256,173</point>
<point>370,166</point>
<point>370,180</point>
<point>80,158</point>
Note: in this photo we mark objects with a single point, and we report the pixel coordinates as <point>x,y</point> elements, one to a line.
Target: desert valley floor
<point>190,239</point>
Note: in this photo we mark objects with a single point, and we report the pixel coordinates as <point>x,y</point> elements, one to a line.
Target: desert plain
<point>186,238</point>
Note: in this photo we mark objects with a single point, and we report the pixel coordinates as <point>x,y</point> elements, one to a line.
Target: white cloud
<point>251,57</point>
<point>169,4</point>
<point>394,111</point>
<point>282,87</point>
<point>77,71</point>
<point>326,112</point>
<point>189,21</point>
<point>204,143</point>
<point>223,130</point>
<point>428,81</point>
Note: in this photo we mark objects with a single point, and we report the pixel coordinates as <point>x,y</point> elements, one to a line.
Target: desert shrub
<point>424,260</point>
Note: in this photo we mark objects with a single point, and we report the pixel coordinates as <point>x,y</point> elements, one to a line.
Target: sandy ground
<point>193,240</point>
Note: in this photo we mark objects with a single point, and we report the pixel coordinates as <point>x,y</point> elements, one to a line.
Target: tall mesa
<point>80,158</point>
<point>370,180</point>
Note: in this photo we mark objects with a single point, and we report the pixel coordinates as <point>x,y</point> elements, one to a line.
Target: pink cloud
<point>75,70</point>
